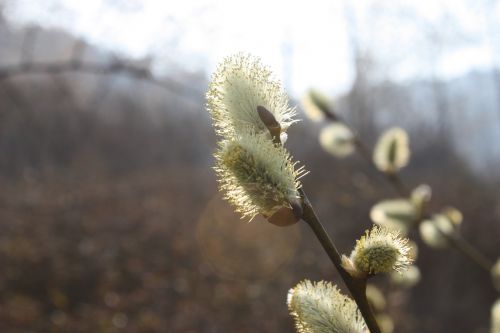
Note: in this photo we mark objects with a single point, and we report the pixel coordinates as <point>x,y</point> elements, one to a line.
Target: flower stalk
<point>355,285</point>
<point>459,243</point>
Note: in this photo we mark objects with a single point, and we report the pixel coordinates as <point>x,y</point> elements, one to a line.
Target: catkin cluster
<point>251,114</point>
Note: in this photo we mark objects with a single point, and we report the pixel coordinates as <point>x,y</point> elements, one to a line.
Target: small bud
<point>348,265</point>
<point>258,176</point>
<point>321,308</point>
<point>315,105</point>
<point>495,317</point>
<point>433,232</point>
<point>453,215</point>
<point>337,139</point>
<point>385,322</point>
<point>408,278</point>
<point>392,151</point>
<point>495,274</point>
<point>375,298</point>
<point>381,250</point>
<point>286,216</point>
<point>271,123</point>
<point>283,137</point>
<point>238,87</point>
<point>396,214</point>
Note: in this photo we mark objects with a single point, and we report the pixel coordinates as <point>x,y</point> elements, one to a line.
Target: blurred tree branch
<point>115,67</point>
<point>29,66</point>
<point>402,189</point>
<point>356,285</point>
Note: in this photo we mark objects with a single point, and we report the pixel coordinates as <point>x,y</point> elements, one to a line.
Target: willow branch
<point>466,249</point>
<point>356,286</point>
<point>75,65</point>
<point>455,240</point>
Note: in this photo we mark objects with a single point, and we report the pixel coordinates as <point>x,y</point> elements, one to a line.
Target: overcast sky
<point>307,43</point>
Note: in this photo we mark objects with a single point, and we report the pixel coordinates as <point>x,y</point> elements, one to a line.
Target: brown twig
<point>115,67</point>
<point>356,286</point>
<point>457,241</point>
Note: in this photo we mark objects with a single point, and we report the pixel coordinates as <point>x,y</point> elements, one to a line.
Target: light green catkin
<point>239,85</point>
<point>395,214</point>
<point>435,231</point>
<point>315,104</point>
<point>408,278</point>
<point>376,298</point>
<point>321,308</point>
<point>337,139</point>
<point>495,317</point>
<point>420,196</point>
<point>381,250</point>
<point>392,151</point>
<point>256,175</point>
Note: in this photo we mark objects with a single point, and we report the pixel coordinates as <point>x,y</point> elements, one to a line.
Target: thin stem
<point>397,184</point>
<point>76,65</point>
<point>468,250</point>
<point>356,286</point>
<point>458,242</point>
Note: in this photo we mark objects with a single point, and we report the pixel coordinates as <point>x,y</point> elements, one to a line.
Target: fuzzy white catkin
<point>454,215</point>
<point>421,195</point>
<point>381,250</point>
<point>376,298</point>
<point>392,151</point>
<point>385,322</point>
<point>337,139</point>
<point>495,317</point>
<point>408,278</point>
<point>433,232</point>
<point>321,308</point>
<point>240,84</point>
<point>314,103</point>
<point>256,175</point>
<point>395,214</point>
<point>413,249</point>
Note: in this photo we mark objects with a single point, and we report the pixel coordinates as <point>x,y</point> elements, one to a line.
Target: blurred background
<point>110,218</point>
